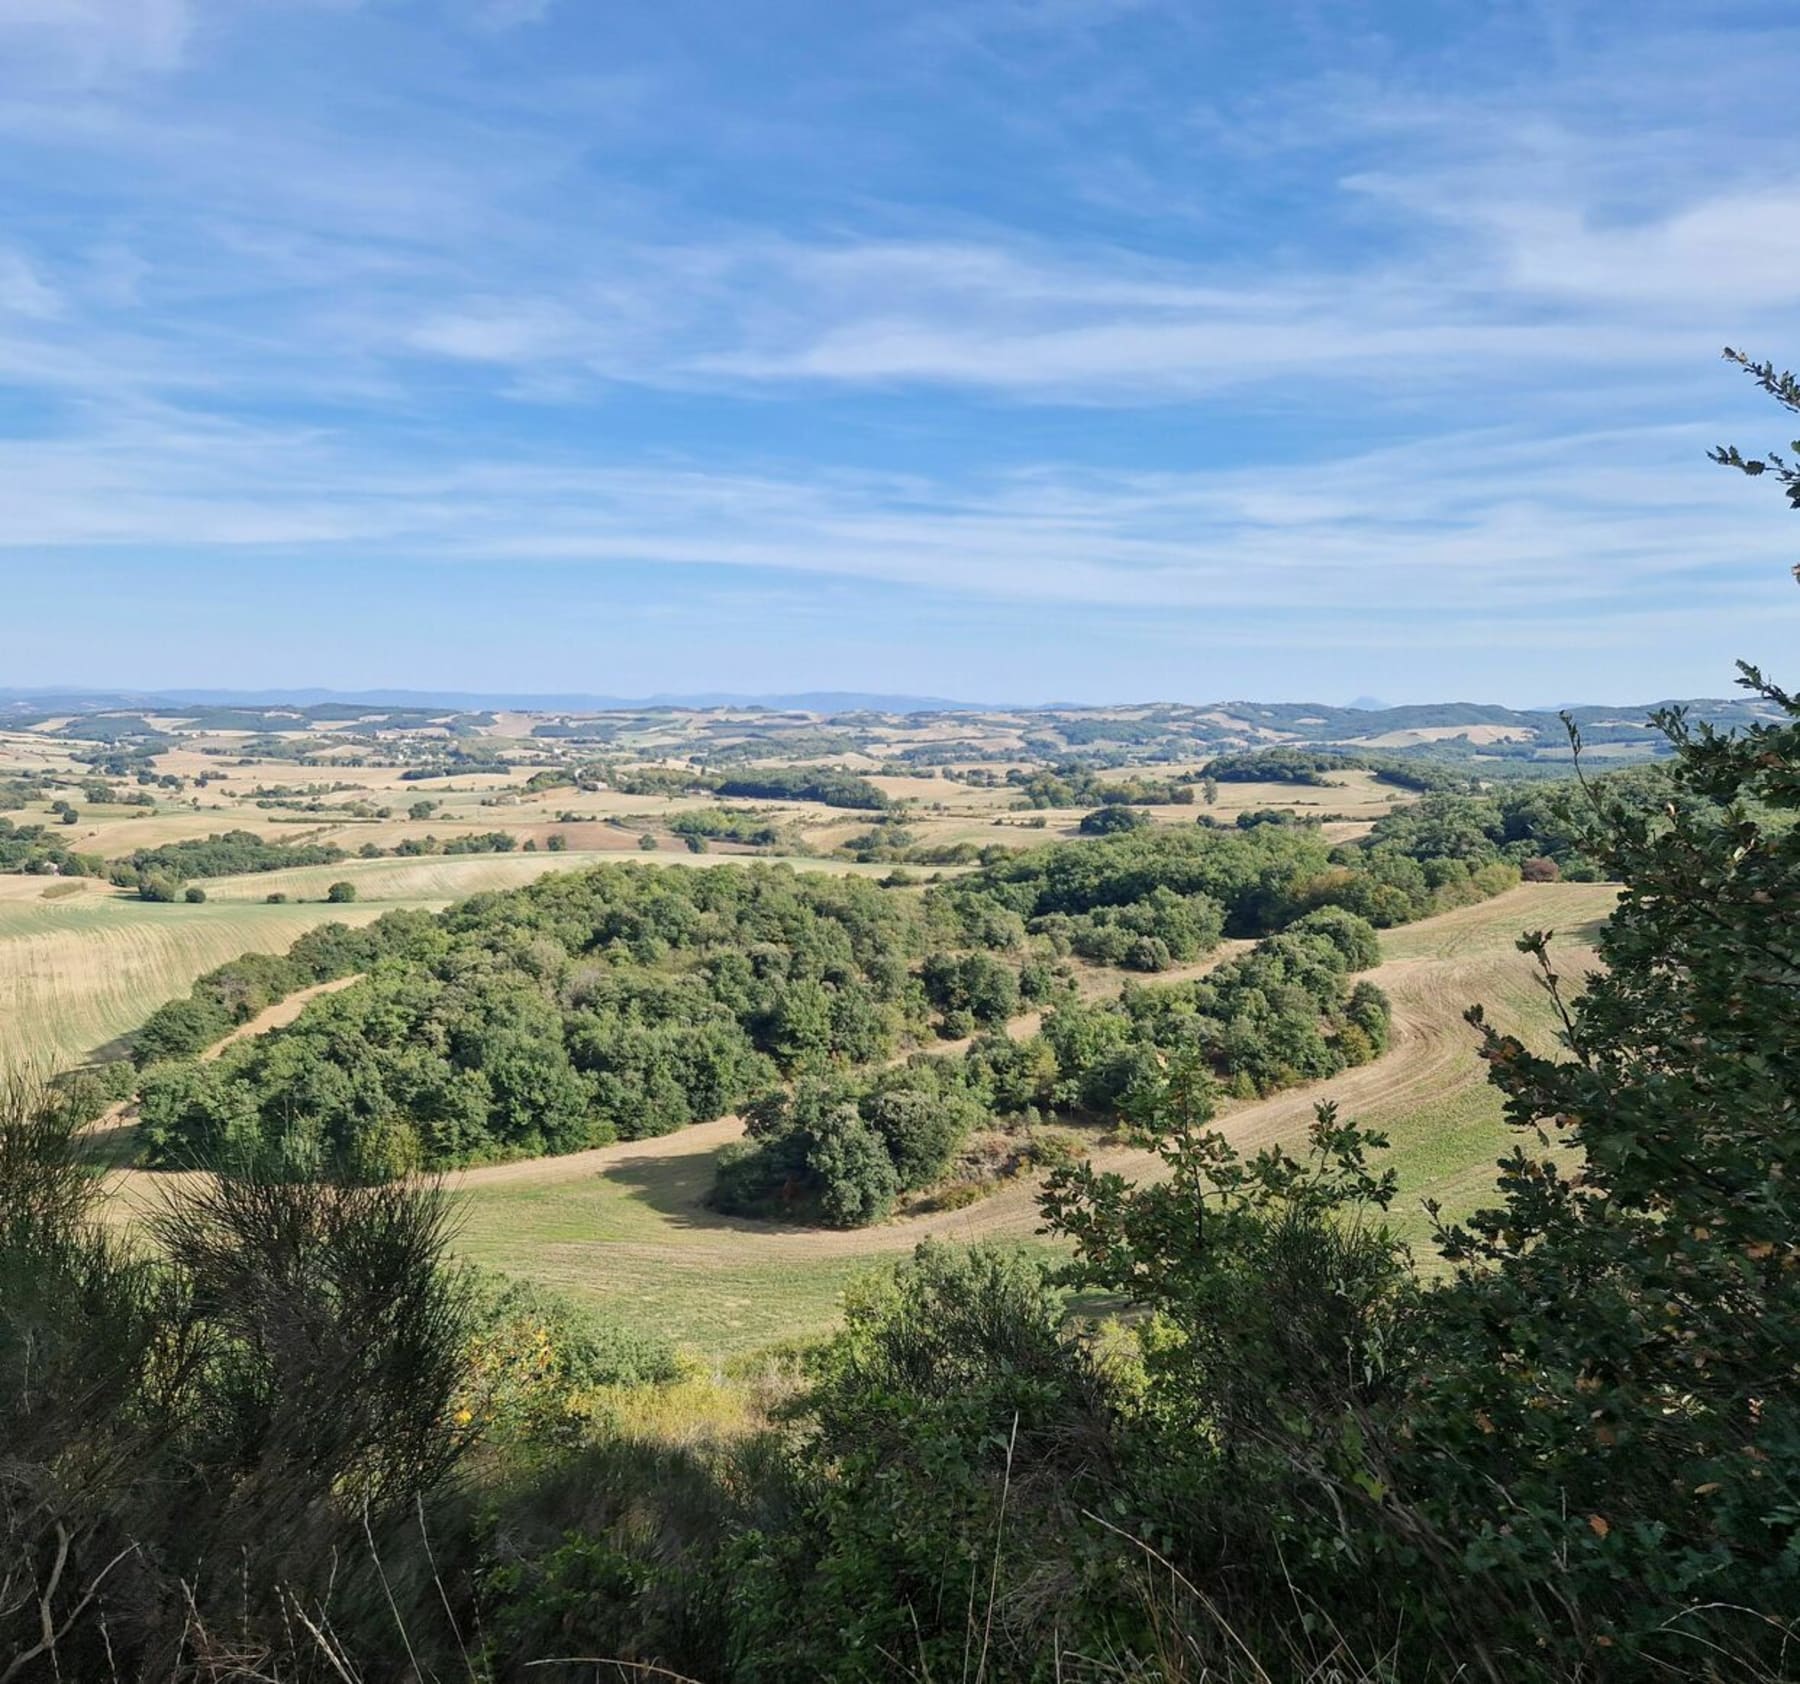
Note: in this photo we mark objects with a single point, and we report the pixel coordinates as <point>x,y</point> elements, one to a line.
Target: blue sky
<point>1003,349</point>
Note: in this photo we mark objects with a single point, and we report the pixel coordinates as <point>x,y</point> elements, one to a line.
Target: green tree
<point>1113,821</point>
<point>1610,1390</point>
<point>341,893</point>
<point>856,1177</point>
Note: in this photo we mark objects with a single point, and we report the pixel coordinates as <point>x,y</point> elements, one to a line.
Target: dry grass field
<point>355,806</point>
<point>78,970</point>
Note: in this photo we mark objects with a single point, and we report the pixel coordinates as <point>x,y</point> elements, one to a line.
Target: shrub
<point>1352,936</point>
<point>232,1426</point>
<point>1050,1149</point>
<point>1113,821</point>
<point>536,1337</point>
<point>856,1178</point>
<point>194,895</point>
<point>341,893</point>
<point>950,1400</point>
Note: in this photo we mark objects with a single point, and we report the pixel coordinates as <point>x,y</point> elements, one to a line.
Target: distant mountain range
<point>1365,715</point>
<point>73,700</point>
<point>854,721</point>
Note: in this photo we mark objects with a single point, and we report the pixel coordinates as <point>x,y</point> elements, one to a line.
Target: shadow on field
<point>676,1189</point>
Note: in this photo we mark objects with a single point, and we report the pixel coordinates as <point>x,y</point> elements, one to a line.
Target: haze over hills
<point>77,699</point>
<point>854,730</point>
<point>1365,714</point>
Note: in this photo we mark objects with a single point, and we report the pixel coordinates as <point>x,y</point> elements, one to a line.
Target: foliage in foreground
<point>208,1444</point>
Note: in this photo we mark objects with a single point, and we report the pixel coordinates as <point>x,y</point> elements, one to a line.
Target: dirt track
<point>279,1015</point>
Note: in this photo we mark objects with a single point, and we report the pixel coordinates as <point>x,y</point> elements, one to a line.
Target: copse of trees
<point>1113,821</point>
<point>1152,898</point>
<point>726,824</point>
<point>1077,784</point>
<point>831,786</point>
<point>455,767</point>
<point>616,1002</point>
<point>34,850</point>
<point>827,785</point>
<point>1279,1015</point>
<point>842,1152</point>
<point>1245,876</point>
<point>1251,817</point>
<point>1308,767</point>
<point>650,780</point>
<point>474,842</point>
<point>1521,822</point>
<point>225,855</point>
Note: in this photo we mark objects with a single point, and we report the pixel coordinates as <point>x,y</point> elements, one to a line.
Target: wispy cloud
<point>89,42</point>
<point>1521,533</point>
<point>23,291</point>
<point>509,14</point>
<point>903,307</point>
